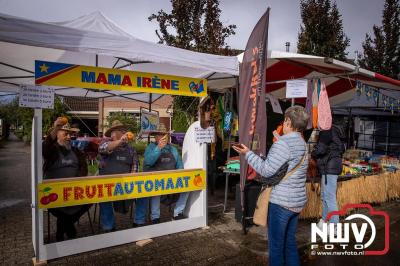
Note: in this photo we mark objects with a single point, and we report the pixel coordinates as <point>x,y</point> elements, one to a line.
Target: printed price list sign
<point>205,135</point>
<point>36,97</point>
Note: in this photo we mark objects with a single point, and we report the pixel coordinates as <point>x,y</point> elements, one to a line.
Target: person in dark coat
<point>328,154</point>
<point>61,160</point>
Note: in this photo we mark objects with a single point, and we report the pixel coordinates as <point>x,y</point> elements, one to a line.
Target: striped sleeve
<point>103,147</point>
<point>277,156</point>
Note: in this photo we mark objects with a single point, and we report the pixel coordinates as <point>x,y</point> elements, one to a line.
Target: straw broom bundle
<point>393,185</point>
<point>349,191</point>
<point>375,189</point>
<point>366,189</point>
<point>313,207</point>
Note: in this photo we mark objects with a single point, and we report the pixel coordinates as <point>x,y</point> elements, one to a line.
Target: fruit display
<point>359,162</point>
<point>390,164</point>
<point>353,154</point>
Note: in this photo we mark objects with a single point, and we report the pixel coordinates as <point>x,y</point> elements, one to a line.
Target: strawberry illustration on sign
<point>48,198</point>
<point>198,181</point>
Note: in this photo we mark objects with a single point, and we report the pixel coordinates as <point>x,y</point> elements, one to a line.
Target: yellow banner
<point>68,75</point>
<point>83,190</point>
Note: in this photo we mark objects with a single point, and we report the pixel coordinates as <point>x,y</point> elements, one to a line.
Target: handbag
<point>261,212</point>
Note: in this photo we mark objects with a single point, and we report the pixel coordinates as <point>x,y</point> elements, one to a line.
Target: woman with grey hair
<point>288,197</point>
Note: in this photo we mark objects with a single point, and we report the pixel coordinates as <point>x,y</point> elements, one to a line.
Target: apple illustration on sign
<point>48,197</point>
<point>198,180</point>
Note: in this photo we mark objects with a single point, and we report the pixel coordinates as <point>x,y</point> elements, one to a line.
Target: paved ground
<point>222,244</point>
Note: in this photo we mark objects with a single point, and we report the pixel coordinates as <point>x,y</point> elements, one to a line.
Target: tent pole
<point>102,102</point>
<point>349,130</point>
<point>37,172</point>
<point>150,101</point>
<point>19,68</point>
<point>387,137</point>
<point>228,155</point>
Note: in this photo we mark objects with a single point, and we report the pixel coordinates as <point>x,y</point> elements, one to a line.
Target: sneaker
<point>71,232</point>
<point>110,230</point>
<point>137,225</point>
<point>155,221</point>
<point>179,217</point>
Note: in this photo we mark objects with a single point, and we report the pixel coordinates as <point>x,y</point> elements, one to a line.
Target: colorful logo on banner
<point>60,74</point>
<point>77,191</point>
<point>373,93</point>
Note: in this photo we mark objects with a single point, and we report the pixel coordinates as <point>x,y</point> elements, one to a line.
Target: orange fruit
<point>130,135</point>
<point>64,120</point>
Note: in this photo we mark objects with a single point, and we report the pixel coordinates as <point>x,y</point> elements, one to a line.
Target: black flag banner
<point>252,109</point>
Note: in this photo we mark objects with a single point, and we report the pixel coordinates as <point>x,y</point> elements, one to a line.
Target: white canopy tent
<point>95,40</point>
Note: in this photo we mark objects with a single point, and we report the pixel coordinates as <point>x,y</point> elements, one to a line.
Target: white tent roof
<point>79,41</point>
<point>96,22</point>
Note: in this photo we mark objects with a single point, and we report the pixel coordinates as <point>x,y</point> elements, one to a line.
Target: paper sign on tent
<point>296,88</point>
<point>36,97</point>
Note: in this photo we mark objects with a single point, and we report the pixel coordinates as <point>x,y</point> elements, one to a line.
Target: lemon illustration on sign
<point>198,181</point>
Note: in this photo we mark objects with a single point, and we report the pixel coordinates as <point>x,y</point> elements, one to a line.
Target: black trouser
<point>66,220</point>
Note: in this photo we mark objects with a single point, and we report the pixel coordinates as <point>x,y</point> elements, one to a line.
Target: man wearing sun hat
<point>117,157</point>
<point>62,161</point>
<point>159,156</point>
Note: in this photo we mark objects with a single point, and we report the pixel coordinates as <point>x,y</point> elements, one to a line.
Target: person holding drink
<point>159,156</point>
<point>288,195</point>
<point>117,157</point>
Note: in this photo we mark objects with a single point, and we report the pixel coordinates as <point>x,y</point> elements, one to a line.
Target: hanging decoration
<point>375,94</point>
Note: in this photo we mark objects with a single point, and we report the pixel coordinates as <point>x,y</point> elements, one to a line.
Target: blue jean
<point>181,203</point>
<point>107,219</point>
<point>141,210</point>
<point>142,207</point>
<point>328,197</point>
<point>282,226</point>
<point>179,206</point>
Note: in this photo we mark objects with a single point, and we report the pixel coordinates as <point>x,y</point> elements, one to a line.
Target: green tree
<point>321,31</point>
<point>21,117</point>
<point>128,119</point>
<point>381,52</point>
<point>193,25</point>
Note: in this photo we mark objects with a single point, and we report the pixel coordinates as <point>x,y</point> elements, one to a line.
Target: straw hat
<point>161,129</point>
<point>67,127</point>
<point>203,101</point>
<point>116,125</point>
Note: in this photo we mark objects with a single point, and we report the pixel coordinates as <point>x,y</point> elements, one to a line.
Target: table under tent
<point>96,41</point>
